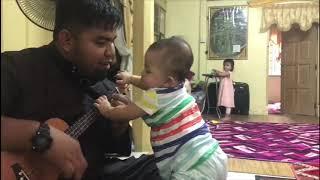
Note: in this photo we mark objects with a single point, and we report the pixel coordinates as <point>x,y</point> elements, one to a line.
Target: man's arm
<point>64,152</point>
<point>16,134</point>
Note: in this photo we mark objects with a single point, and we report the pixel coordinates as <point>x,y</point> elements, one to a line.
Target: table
<point>206,99</point>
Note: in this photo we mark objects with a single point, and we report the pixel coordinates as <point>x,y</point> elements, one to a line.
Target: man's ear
<point>65,40</point>
<point>171,82</point>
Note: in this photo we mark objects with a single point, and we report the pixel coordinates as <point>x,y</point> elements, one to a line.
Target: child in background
<point>226,90</point>
<point>182,143</point>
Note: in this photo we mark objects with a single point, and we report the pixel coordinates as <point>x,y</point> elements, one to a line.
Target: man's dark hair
<point>231,61</point>
<point>77,14</point>
<point>177,56</point>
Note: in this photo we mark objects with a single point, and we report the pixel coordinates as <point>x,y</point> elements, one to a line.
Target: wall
<point>274,89</point>
<point>189,19</point>
<point>182,18</point>
<point>142,24</point>
<point>17,32</point>
<point>318,77</point>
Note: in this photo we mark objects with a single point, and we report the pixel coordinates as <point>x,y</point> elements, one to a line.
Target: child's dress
<point>226,92</point>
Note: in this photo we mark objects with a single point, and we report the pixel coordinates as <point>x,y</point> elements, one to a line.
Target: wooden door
<point>299,71</point>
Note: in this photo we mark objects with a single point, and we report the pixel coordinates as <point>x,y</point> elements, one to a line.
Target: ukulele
<point>29,166</point>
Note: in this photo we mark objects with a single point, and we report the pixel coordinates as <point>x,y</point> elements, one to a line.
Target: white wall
<point>17,32</point>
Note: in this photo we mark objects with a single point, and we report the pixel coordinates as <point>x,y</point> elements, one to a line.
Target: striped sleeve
<point>149,102</point>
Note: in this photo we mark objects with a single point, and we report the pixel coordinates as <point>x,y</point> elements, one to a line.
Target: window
<point>159,22</point>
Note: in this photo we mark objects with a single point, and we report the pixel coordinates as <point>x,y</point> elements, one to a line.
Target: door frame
<point>316,91</point>
<point>317,63</point>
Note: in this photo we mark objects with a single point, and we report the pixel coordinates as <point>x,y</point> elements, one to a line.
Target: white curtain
<point>284,15</point>
<point>126,53</point>
<point>263,3</point>
<point>123,40</point>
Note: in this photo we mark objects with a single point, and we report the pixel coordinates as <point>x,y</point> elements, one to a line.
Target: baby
<point>182,143</point>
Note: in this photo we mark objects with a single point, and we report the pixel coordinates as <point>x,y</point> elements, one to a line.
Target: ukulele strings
<point>79,126</point>
<point>82,124</point>
<point>70,130</point>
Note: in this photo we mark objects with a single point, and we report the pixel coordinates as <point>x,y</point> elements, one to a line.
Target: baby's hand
<point>123,88</point>
<point>123,78</point>
<point>102,104</point>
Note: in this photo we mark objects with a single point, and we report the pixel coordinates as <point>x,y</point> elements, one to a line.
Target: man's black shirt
<point>38,84</point>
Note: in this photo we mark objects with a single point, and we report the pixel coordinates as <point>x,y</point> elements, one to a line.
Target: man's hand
<point>65,153</point>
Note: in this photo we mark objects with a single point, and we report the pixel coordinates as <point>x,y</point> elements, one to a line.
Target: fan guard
<point>40,12</point>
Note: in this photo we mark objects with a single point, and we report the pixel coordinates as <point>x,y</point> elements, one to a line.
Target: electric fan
<point>40,12</point>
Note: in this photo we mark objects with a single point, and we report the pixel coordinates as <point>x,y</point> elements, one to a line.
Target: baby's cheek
<point>148,82</point>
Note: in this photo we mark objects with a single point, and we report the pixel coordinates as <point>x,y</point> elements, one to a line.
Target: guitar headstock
<point>19,172</point>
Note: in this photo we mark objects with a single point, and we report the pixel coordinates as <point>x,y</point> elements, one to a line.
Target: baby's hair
<point>231,61</point>
<point>177,56</point>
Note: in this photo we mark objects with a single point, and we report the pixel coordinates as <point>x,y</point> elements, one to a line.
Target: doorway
<point>274,71</point>
<point>297,80</point>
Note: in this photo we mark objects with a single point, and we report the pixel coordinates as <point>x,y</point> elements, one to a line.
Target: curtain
<point>263,3</point>
<point>275,43</point>
<point>123,42</point>
<point>276,39</point>
<point>128,19</point>
<point>284,15</point>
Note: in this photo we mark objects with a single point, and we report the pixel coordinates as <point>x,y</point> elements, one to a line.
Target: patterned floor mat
<point>306,171</point>
<point>268,141</point>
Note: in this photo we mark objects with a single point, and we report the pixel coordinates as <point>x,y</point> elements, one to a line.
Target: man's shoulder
<point>28,55</point>
<point>26,64</point>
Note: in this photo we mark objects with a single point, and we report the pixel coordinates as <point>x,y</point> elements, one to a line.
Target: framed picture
<point>159,22</point>
<point>228,32</point>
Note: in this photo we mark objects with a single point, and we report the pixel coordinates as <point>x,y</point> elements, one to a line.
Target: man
<point>52,81</point>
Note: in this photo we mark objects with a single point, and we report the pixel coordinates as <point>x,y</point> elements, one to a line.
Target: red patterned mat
<point>306,171</point>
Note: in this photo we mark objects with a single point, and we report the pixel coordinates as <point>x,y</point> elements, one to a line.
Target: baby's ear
<point>171,82</point>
